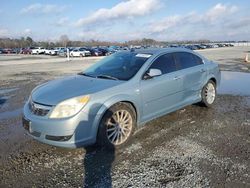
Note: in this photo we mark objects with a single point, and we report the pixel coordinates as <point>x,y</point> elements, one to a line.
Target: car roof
<point>156,51</point>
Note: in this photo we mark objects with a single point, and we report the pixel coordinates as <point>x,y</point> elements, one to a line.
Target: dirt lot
<point>193,147</point>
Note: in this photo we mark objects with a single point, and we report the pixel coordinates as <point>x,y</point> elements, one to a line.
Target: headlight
<point>69,107</point>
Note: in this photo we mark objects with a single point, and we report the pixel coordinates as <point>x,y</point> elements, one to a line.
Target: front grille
<point>39,109</point>
<point>35,133</point>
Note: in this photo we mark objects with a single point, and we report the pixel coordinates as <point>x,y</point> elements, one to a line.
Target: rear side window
<point>186,60</point>
<point>197,59</point>
<point>165,63</point>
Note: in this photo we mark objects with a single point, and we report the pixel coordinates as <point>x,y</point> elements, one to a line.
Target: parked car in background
<point>199,47</point>
<point>7,51</point>
<point>50,51</point>
<point>191,47</point>
<point>127,48</point>
<point>106,102</point>
<point>111,50</point>
<point>39,50</point>
<point>46,51</point>
<point>62,52</point>
<point>173,45</point>
<point>202,46</point>
<point>103,50</point>
<point>80,52</point>
<point>54,51</point>
<point>95,51</point>
<point>221,45</point>
<point>1,50</point>
<point>16,50</point>
<point>26,51</point>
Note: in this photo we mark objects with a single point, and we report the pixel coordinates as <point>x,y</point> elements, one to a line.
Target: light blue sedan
<point>107,102</point>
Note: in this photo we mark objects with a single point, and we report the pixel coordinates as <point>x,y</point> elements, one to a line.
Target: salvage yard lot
<point>193,147</point>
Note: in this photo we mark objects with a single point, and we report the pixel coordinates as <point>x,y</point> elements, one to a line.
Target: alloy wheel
<point>210,93</point>
<point>119,127</point>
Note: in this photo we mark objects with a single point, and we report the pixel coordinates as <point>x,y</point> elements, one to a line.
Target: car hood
<point>53,92</point>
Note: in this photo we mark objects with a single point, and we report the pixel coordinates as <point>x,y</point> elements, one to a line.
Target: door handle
<point>202,70</point>
<point>177,77</point>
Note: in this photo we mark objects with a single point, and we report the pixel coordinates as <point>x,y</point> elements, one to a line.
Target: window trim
<point>178,63</point>
<point>153,60</point>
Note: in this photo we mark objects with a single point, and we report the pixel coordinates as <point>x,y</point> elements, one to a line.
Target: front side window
<point>164,63</point>
<point>187,60</point>
<point>121,66</point>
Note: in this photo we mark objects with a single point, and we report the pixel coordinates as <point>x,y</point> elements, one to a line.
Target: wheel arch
<point>109,103</point>
<point>119,99</point>
<point>214,80</point>
<point>204,100</point>
<point>132,105</point>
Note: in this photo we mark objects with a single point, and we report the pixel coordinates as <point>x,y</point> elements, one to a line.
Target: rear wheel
<point>117,126</point>
<point>208,94</point>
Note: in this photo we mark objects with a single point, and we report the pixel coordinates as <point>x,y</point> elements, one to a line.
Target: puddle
<point>11,114</point>
<point>4,99</point>
<point>235,83</point>
<point>4,91</point>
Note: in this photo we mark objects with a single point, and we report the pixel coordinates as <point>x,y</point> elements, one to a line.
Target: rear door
<point>193,73</point>
<point>162,93</point>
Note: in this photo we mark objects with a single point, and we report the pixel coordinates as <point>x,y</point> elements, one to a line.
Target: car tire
<point>117,126</point>
<point>208,94</point>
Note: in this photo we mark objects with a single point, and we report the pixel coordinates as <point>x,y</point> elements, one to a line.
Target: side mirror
<point>152,73</point>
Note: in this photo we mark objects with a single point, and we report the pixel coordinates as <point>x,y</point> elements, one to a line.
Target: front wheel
<point>208,94</point>
<point>117,126</point>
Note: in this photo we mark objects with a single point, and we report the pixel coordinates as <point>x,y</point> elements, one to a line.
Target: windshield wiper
<point>106,76</point>
<point>83,74</point>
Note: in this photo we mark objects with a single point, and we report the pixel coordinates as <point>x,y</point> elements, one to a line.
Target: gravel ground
<point>192,147</point>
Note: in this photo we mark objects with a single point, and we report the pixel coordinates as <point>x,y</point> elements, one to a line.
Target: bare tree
<point>64,39</point>
<point>29,41</point>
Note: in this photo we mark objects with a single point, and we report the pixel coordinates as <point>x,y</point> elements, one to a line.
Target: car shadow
<point>97,161</point>
<point>98,167</point>
<point>2,101</point>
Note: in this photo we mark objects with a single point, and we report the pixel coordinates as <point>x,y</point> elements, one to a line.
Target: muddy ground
<point>192,147</point>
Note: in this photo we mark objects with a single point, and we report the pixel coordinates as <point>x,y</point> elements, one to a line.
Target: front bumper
<point>87,54</point>
<point>78,130</point>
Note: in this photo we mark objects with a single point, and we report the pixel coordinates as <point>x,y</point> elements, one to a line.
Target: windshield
<point>119,66</point>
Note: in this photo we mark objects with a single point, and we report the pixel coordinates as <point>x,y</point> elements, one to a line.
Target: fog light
<point>58,138</point>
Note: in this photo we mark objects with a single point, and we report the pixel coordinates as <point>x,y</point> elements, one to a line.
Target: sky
<point>122,20</point>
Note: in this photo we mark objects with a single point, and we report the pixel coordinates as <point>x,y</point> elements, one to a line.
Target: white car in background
<point>80,52</point>
<point>51,51</point>
<point>46,52</point>
<point>54,51</point>
<point>38,50</point>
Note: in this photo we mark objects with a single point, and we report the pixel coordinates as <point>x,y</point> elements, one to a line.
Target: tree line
<point>64,41</point>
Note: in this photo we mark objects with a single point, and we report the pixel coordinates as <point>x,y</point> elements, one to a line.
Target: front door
<point>162,93</point>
